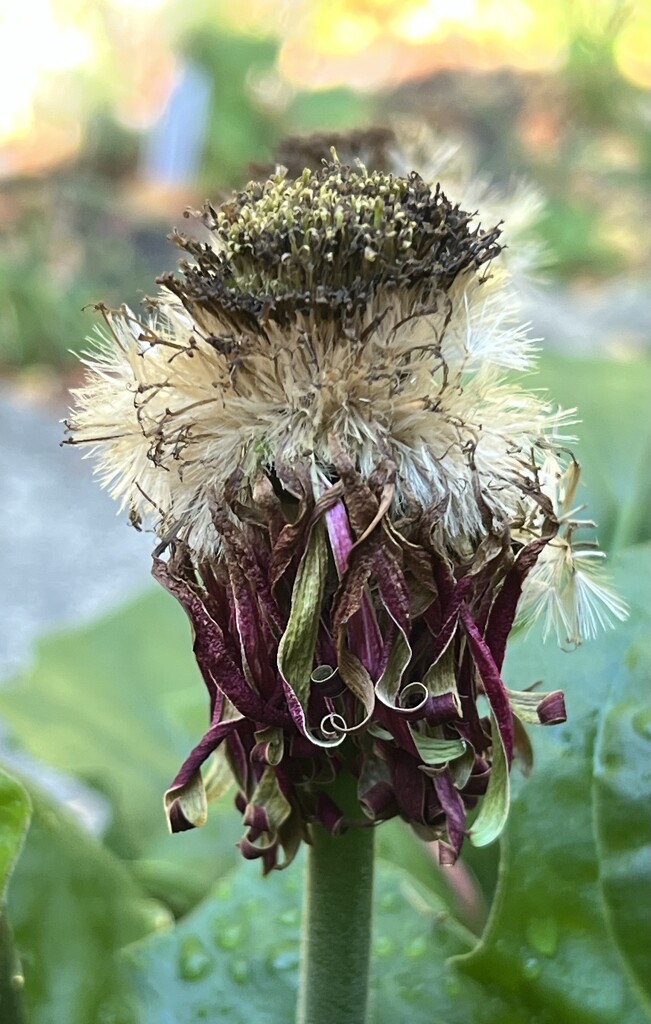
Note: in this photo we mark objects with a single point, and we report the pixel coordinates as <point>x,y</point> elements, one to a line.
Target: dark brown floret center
<point>325,243</point>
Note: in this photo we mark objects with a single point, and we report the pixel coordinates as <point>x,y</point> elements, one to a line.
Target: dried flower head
<point>318,420</point>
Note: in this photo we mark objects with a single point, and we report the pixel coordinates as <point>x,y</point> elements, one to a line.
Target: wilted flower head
<point>354,498</point>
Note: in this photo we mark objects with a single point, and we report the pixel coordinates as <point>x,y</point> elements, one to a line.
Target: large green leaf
<point>622,786</point>
<point>15,810</point>
<point>235,958</point>
<point>562,942</point>
<point>555,947</point>
<point>120,704</point>
<point>72,905</point>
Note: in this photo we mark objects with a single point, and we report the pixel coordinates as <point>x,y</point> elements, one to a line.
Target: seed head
<point>319,420</point>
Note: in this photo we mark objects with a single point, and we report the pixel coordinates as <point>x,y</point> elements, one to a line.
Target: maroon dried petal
<point>390,590</point>
<point>455,812</point>
<point>206,746</point>
<point>551,710</point>
<point>238,753</point>
<point>490,676</point>
<point>441,708</point>
<point>380,802</point>
<point>329,814</point>
<point>393,588</point>
<point>502,615</point>
<point>351,606</point>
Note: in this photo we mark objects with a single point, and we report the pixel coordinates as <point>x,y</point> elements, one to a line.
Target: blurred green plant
<point>614,446</point>
<point>252,109</point>
<point>70,246</point>
<point>573,240</point>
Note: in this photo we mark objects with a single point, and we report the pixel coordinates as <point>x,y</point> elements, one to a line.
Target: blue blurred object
<point>173,149</point>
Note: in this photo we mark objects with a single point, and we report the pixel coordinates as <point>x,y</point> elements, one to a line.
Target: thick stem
<point>337,920</point>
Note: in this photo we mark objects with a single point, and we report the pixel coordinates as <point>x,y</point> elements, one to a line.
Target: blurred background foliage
<point>117,115</point>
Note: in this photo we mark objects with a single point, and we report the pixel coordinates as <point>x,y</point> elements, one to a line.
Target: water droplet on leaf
<point>284,959</point>
<point>531,968</point>
<point>452,985</point>
<point>230,937</point>
<point>194,959</point>
<point>542,933</point>
<point>288,917</point>
<point>239,971</point>
<point>411,992</point>
<point>224,891</point>
<point>383,945</point>
<point>642,723</point>
<point>417,947</point>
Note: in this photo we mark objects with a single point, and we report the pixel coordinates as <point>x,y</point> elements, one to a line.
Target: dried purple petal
<point>351,502</point>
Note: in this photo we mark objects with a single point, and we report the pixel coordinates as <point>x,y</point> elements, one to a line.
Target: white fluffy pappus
<point>568,590</point>
<point>428,371</point>
<point>169,421</point>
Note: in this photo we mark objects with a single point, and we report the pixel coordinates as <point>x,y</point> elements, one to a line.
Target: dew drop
<point>542,933</point>
<point>412,992</point>
<point>383,945</point>
<point>614,759</point>
<point>284,959</point>
<point>224,891</point>
<point>160,918</point>
<point>417,947</point>
<point>194,959</point>
<point>239,971</point>
<point>288,917</point>
<point>642,723</point>
<point>531,968</point>
<point>18,981</point>
<point>230,937</point>
<point>452,985</point>
<point>388,901</point>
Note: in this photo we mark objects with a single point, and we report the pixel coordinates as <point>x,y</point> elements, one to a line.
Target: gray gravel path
<point>65,556</point>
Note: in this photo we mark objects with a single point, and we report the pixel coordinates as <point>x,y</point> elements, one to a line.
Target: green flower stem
<point>337,920</point>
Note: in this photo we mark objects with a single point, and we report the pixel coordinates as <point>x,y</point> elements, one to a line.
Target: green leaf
<point>622,786</point>
<point>119,704</point>
<point>559,934</point>
<point>614,447</point>
<point>15,812</point>
<point>236,957</point>
<point>72,905</point>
